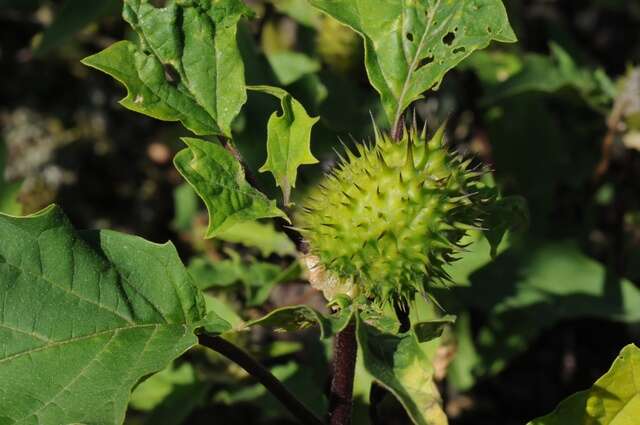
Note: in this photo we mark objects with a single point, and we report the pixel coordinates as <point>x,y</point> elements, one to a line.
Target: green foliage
<point>526,290</point>
<point>294,318</point>
<point>289,140</point>
<point>398,363</point>
<point>550,74</point>
<point>614,399</point>
<point>410,46</point>
<point>257,278</point>
<point>187,66</point>
<point>219,180</point>
<point>261,236</point>
<point>114,307</point>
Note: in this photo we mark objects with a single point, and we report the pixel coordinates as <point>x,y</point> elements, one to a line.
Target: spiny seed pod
<point>384,223</point>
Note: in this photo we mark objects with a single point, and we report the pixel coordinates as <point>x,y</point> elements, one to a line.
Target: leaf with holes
<point>289,140</point>
<point>613,400</point>
<point>187,66</point>
<point>399,364</point>
<point>85,316</point>
<point>218,179</point>
<point>410,45</point>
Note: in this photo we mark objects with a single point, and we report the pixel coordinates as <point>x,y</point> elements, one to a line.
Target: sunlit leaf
<point>187,66</point>
<point>410,45</point>
<point>289,140</point>
<point>399,364</point>
<point>218,179</point>
<point>114,307</point>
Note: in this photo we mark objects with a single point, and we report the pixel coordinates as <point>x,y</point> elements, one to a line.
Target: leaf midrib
<point>416,57</point>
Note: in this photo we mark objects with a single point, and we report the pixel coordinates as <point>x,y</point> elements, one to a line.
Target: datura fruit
<point>384,222</point>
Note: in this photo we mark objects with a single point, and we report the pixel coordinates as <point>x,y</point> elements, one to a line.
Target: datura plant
<point>375,233</point>
<point>384,223</point>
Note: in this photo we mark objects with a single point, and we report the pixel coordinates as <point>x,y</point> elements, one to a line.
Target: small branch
<point>266,378</point>
<point>345,350</point>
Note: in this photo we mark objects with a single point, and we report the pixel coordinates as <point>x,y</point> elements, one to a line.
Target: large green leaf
<point>85,316</point>
<point>288,140</point>
<point>399,364</point>
<point>613,400</point>
<point>187,67</point>
<point>218,179</point>
<point>411,44</point>
<point>8,191</point>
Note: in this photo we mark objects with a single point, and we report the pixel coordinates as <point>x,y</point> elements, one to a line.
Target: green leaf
<point>113,307</point>
<point>295,318</point>
<point>301,11</point>
<point>218,178</point>
<point>261,236</point>
<point>399,364</point>
<point>152,391</point>
<point>289,67</point>
<point>187,67</point>
<point>257,277</point>
<point>170,396</point>
<point>185,203</point>
<point>410,45</point>
<point>432,329</point>
<point>223,310</point>
<point>289,140</point>
<point>8,191</point>
<point>550,74</point>
<point>613,400</point>
<point>74,15</point>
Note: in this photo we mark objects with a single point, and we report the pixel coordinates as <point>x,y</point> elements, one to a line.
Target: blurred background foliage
<point>556,116</point>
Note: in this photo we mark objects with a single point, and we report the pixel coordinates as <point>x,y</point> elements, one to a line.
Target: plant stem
<point>266,378</point>
<point>345,350</point>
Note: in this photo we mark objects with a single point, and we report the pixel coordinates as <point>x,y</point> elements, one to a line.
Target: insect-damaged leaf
<point>187,66</point>
<point>85,316</point>
<point>411,44</point>
<point>289,140</point>
<point>219,180</point>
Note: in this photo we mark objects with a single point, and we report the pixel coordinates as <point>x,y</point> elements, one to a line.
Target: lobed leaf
<point>288,140</point>
<point>115,307</point>
<point>218,179</point>
<point>411,44</point>
<point>613,400</point>
<point>187,67</point>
